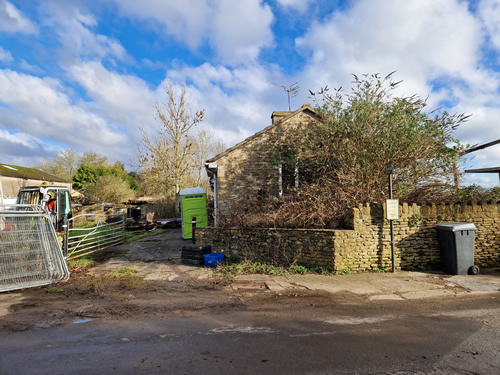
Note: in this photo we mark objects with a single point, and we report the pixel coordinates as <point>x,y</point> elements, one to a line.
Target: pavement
<point>159,258</point>
<point>401,285</point>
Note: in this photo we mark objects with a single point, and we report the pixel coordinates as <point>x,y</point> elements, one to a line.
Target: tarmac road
<point>273,335</point>
<point>180,322</point>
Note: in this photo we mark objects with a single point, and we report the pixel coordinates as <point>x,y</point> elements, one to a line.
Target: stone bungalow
<point>245,170</point>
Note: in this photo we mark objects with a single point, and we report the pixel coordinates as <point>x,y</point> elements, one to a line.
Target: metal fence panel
<point>107,230</point>
<point>30,254</point>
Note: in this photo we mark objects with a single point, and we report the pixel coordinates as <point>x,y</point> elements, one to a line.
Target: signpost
<point>392,210</point>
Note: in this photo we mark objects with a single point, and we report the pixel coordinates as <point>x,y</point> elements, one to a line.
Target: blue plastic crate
<point>213,259</point>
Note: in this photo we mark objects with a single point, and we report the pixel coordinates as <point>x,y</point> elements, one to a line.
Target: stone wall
<point>367,245</point>
<point>275,246</point>
<point>245,172</point>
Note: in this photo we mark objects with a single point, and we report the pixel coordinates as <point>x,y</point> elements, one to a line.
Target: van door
<point>64,209</point>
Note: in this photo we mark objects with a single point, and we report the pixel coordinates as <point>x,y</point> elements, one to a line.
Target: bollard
<point>193,227</point>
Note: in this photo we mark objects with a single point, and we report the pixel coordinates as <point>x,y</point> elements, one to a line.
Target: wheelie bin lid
<point>455,227</point>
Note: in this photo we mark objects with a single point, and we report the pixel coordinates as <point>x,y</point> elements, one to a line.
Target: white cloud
<point>5,56</point>
<point>430,44</point>
<point>40,108</point>
<point>24,65</point>
<point>124,100</point>
<point>238,101</point>
<point>73,27</point>
<point>422,40</point>
<point>12,21</point>
<point>237,30</point>
<point>489,11</point>
<point>298,5</point>
<point>240,29</point>
<point>425,41</point>
<point>19,139</point>
<point>21,148</point>
<point>186,20</point>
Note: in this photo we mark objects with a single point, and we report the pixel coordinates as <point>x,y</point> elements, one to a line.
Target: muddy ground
<point>146,279</point>
<point>166,317</point>
<point>160,286</point>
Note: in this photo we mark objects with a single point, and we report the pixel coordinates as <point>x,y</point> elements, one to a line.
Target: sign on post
<point>392,209</point>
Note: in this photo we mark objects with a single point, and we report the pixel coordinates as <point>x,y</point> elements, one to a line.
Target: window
<point>288,178</point>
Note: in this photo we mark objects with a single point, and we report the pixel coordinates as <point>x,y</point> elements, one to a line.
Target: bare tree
<point>166,158</point>
<point>93,159</point>
<point>206,145</point>
<point>64,165</point>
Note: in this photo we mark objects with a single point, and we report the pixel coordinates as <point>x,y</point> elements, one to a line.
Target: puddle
<point>240,330</point>
<point>80,321</point>
<point>355,321</point>
<point>249,286</point>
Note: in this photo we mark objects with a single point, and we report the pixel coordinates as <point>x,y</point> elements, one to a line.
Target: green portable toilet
<point>193,203</point>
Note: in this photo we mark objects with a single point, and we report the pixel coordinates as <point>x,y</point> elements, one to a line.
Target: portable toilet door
<point>193,204</point>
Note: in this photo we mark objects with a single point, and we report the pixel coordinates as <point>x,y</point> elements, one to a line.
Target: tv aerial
<point>292,91</point>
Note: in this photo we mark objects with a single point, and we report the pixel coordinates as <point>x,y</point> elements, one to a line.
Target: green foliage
<point>86,175</point>
<point>109,188</point>
<point>233,266</point>
<point>129,223</point>
<point>105,183</point>
<point>346,271</point>
<point>55,290</point>
<point>341,159</point>
<point>476,193</point>
<point>379,270</point>
<point>124,272</point>
<point>298,269</point>
<point>414,219</point>
<point>81,263</point>
<point>131,236</point>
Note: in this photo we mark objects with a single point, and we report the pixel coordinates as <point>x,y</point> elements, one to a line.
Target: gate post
<point>123,226</point>
<point>65,239</point>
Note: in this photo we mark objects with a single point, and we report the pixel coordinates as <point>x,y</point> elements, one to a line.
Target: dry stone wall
<point>366,246</point>
<point>275,246</point>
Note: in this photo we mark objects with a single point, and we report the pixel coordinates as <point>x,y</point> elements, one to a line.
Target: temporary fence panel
<point>30,254</point>
<point>106,231</point>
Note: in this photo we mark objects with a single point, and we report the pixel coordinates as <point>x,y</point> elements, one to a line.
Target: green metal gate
<point>89,233</point>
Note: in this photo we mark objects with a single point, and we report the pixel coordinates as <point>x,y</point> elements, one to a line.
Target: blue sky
<point>86,74</point>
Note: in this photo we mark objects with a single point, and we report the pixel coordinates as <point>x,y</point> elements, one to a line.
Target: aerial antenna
<point>292,89</point>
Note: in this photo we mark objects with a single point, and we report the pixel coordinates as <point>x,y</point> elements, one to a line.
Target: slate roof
<point>305,107</point>
<point>15,171</point>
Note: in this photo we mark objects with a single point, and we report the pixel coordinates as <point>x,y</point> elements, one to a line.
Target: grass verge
<point>234,267</point>
<point>131,236</point>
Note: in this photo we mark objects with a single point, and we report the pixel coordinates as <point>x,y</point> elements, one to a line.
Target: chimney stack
<point>278,115</point>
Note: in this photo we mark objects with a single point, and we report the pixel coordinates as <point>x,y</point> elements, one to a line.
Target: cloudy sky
<point>86,74</point>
